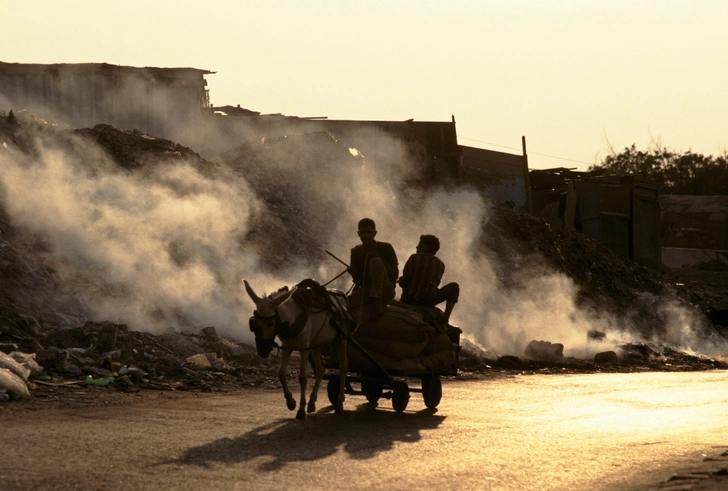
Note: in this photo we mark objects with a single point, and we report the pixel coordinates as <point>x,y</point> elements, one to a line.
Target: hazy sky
<point>572,76</point>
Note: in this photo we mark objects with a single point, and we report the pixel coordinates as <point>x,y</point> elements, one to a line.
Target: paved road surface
<point>586,432</point>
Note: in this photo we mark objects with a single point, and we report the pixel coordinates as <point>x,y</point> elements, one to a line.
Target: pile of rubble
<point>293,176</point>
<point>546,357</point>
<point>133,149</point>
<point>42,322</point>
<point>107,354</point>
<point>703,285</point>
<point>606,282</point>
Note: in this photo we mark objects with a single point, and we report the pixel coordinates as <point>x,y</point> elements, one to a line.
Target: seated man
<point>374,269</point>
<point>421,278</point>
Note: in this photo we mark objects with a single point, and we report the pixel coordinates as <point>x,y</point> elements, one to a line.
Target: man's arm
<point>355,267</point>
<point>439,272</point>
<point>391,262</point>
<point>406,280</point>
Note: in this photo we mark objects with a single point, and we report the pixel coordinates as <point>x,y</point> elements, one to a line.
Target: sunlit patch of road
<point>541,432</point>
<point>610,431</point>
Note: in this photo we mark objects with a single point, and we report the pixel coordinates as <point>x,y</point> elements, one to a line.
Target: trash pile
<point>704,285</point>
<point>53,340</point>
<point>293,176</point>
<point>14,372</point>
<point>134,150</point>
<point>546,357</point>
<point>107,354</point>
<point>606,282</point>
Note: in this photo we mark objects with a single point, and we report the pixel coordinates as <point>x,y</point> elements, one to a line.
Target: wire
<point>529,153</point>
<point>488,143</point>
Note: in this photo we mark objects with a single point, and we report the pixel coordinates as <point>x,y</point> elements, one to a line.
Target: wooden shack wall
<point>423,150</point>
<point>694,228</point>
<point>497,174</point>
<point>161,102</point>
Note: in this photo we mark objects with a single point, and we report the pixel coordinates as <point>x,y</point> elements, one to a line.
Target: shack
<point>501,175</point>
<point>174,103</point>
<point>165,102</point>
<point>426,151</point>
<point>694,229</point>
<point>623,213</point>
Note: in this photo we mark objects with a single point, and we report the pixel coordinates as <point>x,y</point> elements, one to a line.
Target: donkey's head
<point>265,319</point>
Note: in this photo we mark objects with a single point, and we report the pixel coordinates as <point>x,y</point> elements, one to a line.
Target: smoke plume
<point>167,245</point>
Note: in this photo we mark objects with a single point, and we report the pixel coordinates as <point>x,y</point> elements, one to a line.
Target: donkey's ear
<point>255,298</point>
<point>279,300</point>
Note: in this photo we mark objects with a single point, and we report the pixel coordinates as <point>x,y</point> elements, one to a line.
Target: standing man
<point>374,269</point>
<point>421,278</point>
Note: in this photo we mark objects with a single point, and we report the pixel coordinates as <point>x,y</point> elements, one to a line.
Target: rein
<point>281,329</point>
<point>313,298</point>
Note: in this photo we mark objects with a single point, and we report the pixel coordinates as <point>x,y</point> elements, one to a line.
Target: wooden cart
<point>392,384</point>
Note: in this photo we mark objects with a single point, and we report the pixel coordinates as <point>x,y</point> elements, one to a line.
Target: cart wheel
<point>372,390</point>
<point>431,390</point>
<point>332,390</point>
<point>400,396</point>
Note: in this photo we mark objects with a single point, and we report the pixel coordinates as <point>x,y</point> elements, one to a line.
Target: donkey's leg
<point>318,370</point>
<point>343,369</point>
<point>302,379</point>
<point>290,401</point>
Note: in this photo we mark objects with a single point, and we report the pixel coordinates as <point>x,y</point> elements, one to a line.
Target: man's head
<point>367,230</point>
<point>428,244</point>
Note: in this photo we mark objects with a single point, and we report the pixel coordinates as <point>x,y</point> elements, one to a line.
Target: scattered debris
<point>606,357</point>
<point>510,362</point>
<point>12,386</point>
<point>594,335</point>
<point>8,362</point>
<point>198,361</point>
<point>48,332</point>
<point>544,351</point>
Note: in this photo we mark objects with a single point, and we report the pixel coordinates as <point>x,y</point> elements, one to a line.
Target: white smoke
<point>147,249</point>
<point>165,246</point>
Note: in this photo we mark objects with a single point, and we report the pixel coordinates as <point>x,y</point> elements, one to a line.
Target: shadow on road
<point>363,434</point>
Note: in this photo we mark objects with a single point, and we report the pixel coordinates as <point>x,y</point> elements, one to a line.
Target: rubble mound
<point>607,283</point>
<point>628,358</point>
<point>703,285</point>
<point>113,355</point>
<point>292,176</point>
<point>134,149</point>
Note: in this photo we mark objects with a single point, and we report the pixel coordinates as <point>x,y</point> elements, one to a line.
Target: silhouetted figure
<point>374,269</point>
<point>421,278</point>
<point>11,118</point>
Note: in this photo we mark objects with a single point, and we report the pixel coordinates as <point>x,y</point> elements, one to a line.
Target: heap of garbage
<point>48,336</point>
<point>108,354</point>
<point>292,175</point>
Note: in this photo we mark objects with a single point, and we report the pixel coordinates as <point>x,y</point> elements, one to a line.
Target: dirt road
<point>605,431</point>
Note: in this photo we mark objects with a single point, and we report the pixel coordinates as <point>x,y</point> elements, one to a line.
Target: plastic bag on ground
<point>13,384</point>
<point>10,364</point>
<point>28,361</point>
<point>103,382</point>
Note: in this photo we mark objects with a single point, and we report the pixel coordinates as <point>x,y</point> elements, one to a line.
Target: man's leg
<point>449,294</point>
<point>381,289</point>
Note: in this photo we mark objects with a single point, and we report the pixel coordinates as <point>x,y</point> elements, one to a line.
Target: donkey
<point>304,323</point>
